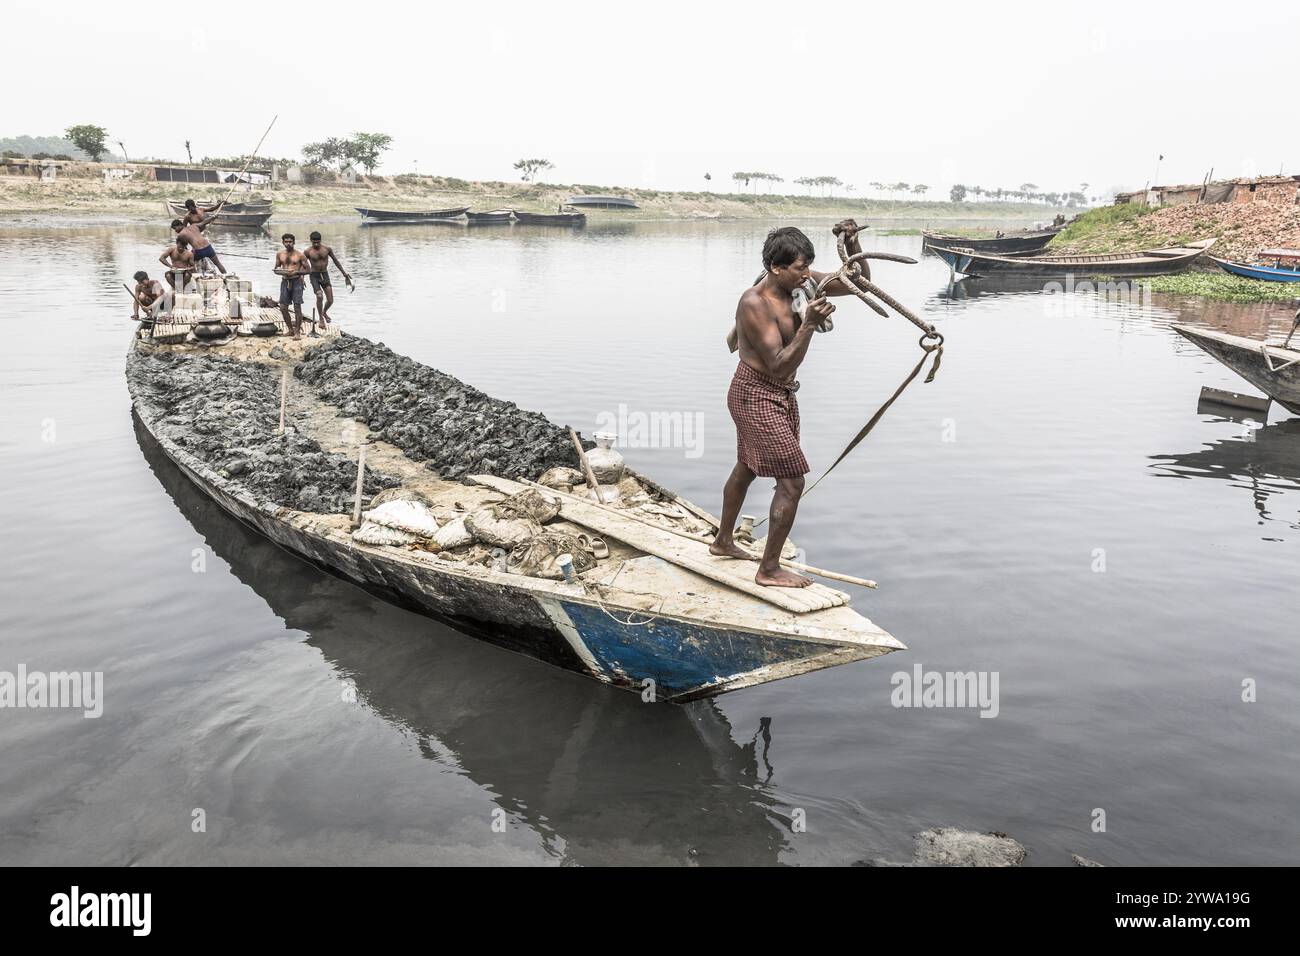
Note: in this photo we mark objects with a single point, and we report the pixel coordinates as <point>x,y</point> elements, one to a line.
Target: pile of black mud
<point>434,418</point>
<point>225,413</point>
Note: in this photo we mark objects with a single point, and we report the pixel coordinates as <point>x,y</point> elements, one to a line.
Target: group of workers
<point>192,250</point>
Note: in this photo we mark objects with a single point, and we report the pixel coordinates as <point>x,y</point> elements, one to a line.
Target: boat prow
<point>1272,369</point>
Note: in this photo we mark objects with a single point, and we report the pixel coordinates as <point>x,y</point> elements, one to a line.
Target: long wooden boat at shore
<point>1008,244</point>
<point>1273,369</point>
<point>1149,262</point>
<point>412,215</point>
<point>658,611</point>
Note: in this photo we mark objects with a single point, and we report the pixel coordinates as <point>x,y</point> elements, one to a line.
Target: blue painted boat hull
<point>1267,273</point>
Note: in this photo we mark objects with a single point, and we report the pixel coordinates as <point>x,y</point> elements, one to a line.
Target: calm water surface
<point>1061,432</point>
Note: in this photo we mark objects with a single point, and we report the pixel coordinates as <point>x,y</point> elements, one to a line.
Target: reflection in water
<point>599,776</point>
<point>1265,461</point>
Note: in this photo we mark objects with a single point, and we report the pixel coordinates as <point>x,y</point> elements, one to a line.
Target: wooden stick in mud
<point>284,397</point>
<point>586,465</point>
<point>796,565</point>
<point>361,478</point>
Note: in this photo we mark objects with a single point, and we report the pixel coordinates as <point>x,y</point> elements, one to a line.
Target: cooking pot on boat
<point>211,330</point>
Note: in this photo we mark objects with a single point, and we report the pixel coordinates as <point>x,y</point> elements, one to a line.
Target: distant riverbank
<point>143,200</point>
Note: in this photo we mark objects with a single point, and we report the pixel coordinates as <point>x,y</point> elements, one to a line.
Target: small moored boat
<point>250,205</point>
<point>1277,272</point>
<point>496,217</point>
<point>1028,241</point>
<point>1150,262</point>
<point>412,215</point>
<point>1273,369</point>
<point>550,219</point>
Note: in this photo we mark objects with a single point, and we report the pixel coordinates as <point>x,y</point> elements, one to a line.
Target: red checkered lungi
<point>767,424</point>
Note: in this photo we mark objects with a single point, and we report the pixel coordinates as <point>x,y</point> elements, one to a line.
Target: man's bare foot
<point>781,578</point>
<point>730,550</point>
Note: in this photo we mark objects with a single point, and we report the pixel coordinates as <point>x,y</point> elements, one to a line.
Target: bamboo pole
<point>796,565</point>
<point>361,478</point>
<point>284,397</point>
<point>249,161</point>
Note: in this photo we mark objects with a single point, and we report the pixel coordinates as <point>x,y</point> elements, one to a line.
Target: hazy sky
<point>655,95</point>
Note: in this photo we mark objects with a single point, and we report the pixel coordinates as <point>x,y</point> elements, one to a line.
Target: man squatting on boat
<point>773,341</point>
<point>150,294</point>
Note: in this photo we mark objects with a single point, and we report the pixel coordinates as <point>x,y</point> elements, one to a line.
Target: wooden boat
<point>497,217</point>
<point>1277,272</point>
<point>240,220</point>
<point>252,205</point>
<point>1149,262</point>
<point>659,609</point>
<point>1002,245</point>
<point>412,215</point>
<point>551,219</point>
<point>602,202</point>
<point>1272,369</point>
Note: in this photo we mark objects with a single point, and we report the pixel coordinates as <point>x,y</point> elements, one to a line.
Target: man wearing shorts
<point>319,255</point>
<point>193,235</point>
<point>291,265</point>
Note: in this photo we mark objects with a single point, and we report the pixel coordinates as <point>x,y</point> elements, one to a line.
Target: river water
<point>1052,509</point>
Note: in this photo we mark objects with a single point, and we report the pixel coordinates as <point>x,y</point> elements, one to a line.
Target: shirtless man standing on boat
<point>291,265</point>
<point>319,255</point>
<point>773,340</point>
<point>177,257</point>
<point>198,242</point>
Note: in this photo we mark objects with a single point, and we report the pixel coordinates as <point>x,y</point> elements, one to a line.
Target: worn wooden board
<point>684,552</point>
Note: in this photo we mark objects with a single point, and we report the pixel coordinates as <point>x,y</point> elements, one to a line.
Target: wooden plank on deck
<point>684,552</point>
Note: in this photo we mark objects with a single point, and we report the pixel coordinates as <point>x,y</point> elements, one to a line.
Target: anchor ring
<point>938,343</point>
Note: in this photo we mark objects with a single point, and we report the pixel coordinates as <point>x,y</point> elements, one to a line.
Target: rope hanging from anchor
<point>931,342</point>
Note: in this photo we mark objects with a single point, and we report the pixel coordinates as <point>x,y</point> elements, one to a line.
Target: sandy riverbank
<point>143,200</point>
